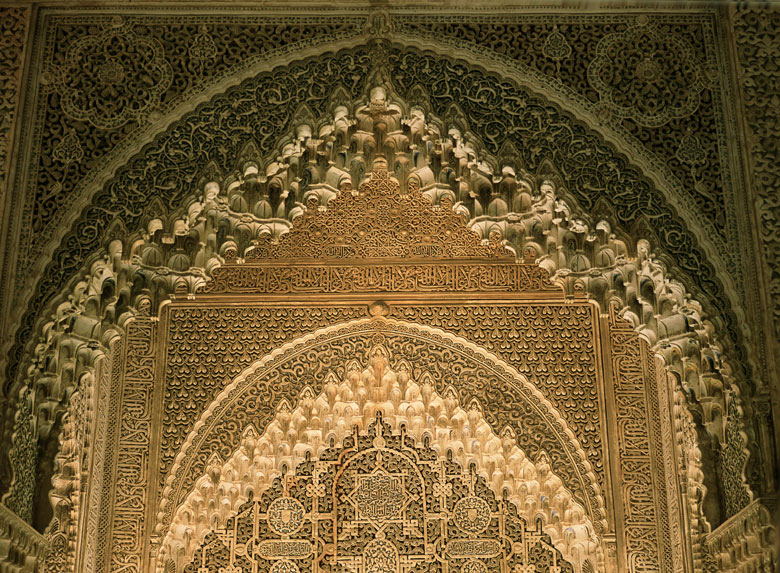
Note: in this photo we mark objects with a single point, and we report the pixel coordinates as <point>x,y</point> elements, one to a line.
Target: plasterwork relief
<point>381,503</point>
<point>305,429</point>
<point>430,349</point>
<point>13,31</point>
<point>757,44</point>
<point>125,549</point>
<point>648,536</point>
<point>507,201</point>
<point>169,263</point>
<point>428,70</point>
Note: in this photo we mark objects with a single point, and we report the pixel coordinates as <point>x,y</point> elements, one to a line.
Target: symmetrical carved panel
<point>407,399</point>
<point>231,220</point>
<point>206,210</point>
<point>310,361</point>
<point>381,503</point>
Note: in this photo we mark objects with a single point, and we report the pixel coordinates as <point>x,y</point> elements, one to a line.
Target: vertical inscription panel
<point>131,479</point>
<point>642,477</point>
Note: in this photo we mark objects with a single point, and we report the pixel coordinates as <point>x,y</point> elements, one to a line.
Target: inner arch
<point>407,399</point>
<point>528,443</point>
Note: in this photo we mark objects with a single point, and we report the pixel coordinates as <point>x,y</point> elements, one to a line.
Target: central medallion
<point>285,516</point>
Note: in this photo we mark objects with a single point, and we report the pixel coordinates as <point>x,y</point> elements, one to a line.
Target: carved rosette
<point>112,77</point>
<point>647,75</point>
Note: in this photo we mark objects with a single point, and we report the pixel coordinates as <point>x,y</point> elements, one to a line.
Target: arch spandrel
<point>390,367</point>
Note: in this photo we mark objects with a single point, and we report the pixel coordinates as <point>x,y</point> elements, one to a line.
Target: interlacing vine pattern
<point>757,46</point>
<point>13,26</point>
<point>179,156</point>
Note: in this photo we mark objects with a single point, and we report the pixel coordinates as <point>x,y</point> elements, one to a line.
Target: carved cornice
<point>21,547</point>
<point>747,542</point>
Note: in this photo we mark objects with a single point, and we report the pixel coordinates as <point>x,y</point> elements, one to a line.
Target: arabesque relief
<point>388,346</point>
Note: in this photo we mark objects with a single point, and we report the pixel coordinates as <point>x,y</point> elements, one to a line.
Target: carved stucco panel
<point>379,502</point>
<point>402,65</point>
<point>13,30</point>
<point>406,397</point>
<point>200,360</point>
<point>474,372</point>
<point>642,470</point>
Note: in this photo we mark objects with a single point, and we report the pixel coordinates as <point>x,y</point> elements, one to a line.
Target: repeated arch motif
<point>178,248</point>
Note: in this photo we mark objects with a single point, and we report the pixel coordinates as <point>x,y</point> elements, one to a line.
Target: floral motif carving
<point>734,456</point>
<point>13,27</point>
<point>22,459</point>
<point>409,70</point>
<point>112,77</point>
<point>647,75</point>
<point>68,150</point>
<point>758,46</point>
<point>556,47</point>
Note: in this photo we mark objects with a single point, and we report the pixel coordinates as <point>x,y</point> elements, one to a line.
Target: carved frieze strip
<point>665,444</point>
<point>103,542</point>
<point>133,475</point>
<point>95,509</point>
<point>645,525</point>
<point>363,278</point>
